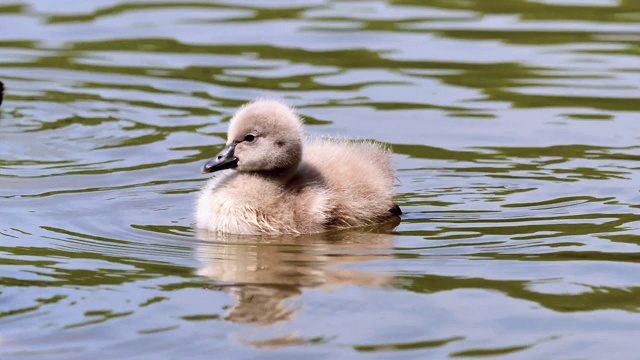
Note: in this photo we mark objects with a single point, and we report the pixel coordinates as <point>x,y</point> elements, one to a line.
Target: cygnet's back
<point>358,176</point>
<point>281,183</point>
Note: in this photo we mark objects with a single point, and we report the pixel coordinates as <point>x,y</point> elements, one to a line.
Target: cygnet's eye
<point>249,138</point>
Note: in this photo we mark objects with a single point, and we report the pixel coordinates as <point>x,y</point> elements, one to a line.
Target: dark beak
<point>224,160</point>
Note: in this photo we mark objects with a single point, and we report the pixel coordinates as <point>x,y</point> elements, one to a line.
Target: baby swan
<point>282,183</point>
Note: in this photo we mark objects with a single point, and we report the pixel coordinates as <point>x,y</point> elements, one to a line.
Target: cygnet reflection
<point>265,273</point>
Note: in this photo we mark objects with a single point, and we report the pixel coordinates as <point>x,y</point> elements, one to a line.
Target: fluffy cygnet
<point>283,183</point>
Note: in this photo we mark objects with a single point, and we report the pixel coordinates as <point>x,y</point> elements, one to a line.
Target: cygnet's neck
<point>284,168</point>
<point>280,175</point>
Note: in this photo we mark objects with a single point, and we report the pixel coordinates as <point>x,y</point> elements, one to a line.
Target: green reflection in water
<point>596,298</point>
<point>406,346</point>
<point>529,10</point>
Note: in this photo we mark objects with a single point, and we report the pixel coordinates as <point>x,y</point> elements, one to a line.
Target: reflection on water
<point>265,273</point>
<point>515,131</point>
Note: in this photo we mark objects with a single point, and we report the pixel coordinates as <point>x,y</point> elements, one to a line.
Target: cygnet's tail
<point>395,210</point>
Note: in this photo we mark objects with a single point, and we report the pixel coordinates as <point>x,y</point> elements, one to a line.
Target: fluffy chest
<point>216,211</point>
<point>241,206</point>
<point>245,205</point>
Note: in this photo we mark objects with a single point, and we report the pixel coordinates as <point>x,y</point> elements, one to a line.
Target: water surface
<point>515,127</point>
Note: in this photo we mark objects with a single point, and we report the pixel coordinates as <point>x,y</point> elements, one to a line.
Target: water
<point>515,126</point>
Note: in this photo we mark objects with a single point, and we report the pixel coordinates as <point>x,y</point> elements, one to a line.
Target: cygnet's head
<point>265,135</point>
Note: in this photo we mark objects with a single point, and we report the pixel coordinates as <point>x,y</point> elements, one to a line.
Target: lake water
<point>516,132</point>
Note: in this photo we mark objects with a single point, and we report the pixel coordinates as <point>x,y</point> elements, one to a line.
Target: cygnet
<point>274,180</point>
